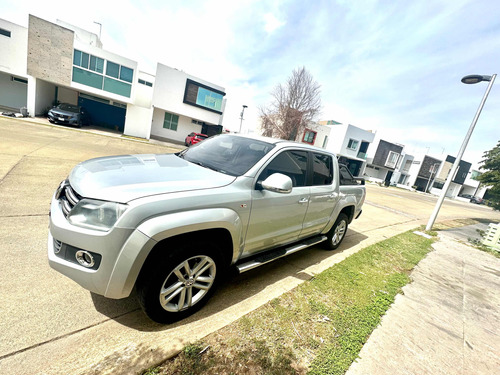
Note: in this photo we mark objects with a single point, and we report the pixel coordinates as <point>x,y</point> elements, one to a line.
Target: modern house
<point>423,172</point>
<point>49,63</point>
<point>383,162</point>
<point>457,181</point>
<point>472,186</point>
<point>348,142</point>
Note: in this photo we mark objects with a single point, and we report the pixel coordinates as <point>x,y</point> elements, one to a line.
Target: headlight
<point>97,215</point>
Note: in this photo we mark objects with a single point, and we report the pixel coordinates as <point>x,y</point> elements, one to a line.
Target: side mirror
<point>278,183</point>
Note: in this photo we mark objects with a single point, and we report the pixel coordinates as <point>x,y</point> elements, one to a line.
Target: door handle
<point>304,200</point>
<point>333,196</point>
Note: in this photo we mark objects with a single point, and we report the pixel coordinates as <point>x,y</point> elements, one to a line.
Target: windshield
<point>69,107</point>
<point>227,154</point>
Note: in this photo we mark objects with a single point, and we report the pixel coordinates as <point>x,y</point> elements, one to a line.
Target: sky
<point>393,67</point>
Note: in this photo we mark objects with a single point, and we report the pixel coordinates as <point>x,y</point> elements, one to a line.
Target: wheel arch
<point>155,235</point>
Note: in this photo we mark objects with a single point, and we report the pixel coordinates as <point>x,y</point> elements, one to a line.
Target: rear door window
<point>322,169</point>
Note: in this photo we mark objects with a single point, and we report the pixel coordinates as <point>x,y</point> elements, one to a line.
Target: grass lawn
<point>317,328</point>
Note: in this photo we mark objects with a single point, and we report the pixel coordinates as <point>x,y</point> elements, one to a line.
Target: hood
<point>58,111</point>
<point>124,178</point>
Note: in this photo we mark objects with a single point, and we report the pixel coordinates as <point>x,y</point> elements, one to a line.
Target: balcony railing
<point>362,155</point>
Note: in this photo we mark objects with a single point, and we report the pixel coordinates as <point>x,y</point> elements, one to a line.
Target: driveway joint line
<point>63,336</point>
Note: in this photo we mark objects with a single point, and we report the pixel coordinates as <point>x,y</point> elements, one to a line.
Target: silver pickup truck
<point>170,225</point>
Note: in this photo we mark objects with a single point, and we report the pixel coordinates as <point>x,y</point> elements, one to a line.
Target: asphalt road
<point>50,325</point>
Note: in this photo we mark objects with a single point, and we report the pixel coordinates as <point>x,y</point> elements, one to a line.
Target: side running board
<point>279,253</point>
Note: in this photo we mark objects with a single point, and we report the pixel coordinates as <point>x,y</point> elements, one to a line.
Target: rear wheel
<point>336,235</point>
<point>178,285</point>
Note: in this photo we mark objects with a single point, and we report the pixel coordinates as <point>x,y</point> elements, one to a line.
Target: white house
<point>348,142</point>
<point>13,62</point>
<point>184,104</point>
<point>49,63</point>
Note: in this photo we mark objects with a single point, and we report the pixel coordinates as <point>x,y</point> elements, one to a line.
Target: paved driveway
<point>48,324</point>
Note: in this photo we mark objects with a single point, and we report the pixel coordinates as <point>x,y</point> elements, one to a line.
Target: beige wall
<point>50,51</point>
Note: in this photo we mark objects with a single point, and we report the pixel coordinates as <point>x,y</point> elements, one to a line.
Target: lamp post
<point>470,79</point>
<point>432,170</point>
<point>241,116</point>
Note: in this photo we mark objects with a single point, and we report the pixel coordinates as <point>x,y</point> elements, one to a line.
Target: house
<point>49,63</point>
<point>383,162</point>
<point>13,61</point>
<point>472,186</point>
<point>350,143</point>
<point>423,172</point>
<point>458,179</point>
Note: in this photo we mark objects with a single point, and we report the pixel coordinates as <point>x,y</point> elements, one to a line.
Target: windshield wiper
<point>208,166</point>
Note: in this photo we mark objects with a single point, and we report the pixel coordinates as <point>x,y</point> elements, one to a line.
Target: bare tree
<point>293,106</point>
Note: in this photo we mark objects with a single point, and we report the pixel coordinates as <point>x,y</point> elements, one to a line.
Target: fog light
<point>84,258</point>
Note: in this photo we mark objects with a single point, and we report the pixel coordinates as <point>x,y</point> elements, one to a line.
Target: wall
<point>382,152</point>
<point>45,96</point>
<point>138,121</point>
<point>168,95</point>
<point>50,51</point>
<point>185,126</point>
<point>65,95</point>
<point>357,134</point>
<point>336,137</point>
<point>374,173</point>
<point>13,94</point>
<point>13,50</point>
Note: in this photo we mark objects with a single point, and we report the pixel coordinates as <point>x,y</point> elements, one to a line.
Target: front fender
<point>137,248</point>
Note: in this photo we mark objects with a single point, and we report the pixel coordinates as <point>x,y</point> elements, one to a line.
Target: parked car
<point>476,200</point>
<point>194,138</point>
<point>472,198</point>
<point>69,114</point>
<point>171,225</point>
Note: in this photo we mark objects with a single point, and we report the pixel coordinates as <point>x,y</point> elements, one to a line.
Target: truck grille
<point>68,198</point>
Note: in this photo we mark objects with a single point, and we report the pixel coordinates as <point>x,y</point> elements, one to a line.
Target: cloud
<point>272,23</point>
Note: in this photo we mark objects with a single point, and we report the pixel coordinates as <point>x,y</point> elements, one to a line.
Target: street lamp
<point>241,116</point>
<point>470,79</point>
<point>432,170</point>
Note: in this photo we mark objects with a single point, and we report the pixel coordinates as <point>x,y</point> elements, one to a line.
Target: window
<point>352,144</point>
<point>322,171</point>
<point>309,137</point>
<point>228,154</point>
<point>112,69</point>
<point>20,80</point>
<point>407,166</point>
<point>126,74</point>
<point>392,159</point>
<point>118,84</point>
<point>325,141</point>
<point>171,121</point>
<point>203,96</point>
<point>290,163</point>
<point>96,64</point>
<point>143,82</point>
<point>346,177</point>
<point>5,32</point>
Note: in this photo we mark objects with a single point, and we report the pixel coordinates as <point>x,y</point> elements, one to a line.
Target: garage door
<point>105,115</point>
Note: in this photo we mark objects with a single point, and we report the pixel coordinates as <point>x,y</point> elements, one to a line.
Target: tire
<point>337,234</point>
<point>172,288</point>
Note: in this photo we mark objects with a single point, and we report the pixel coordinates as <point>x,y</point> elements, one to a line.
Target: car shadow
<point>234,288</point>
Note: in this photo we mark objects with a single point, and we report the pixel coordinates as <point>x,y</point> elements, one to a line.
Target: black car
<point>69,114</point>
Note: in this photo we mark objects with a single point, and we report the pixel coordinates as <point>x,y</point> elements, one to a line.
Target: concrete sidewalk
<point>446,322</point>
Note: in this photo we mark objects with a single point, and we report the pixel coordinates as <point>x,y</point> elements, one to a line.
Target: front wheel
<point>178,285</point>
<point>336,235</point>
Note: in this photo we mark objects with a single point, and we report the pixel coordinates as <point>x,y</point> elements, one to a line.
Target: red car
<point>194,138</point>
